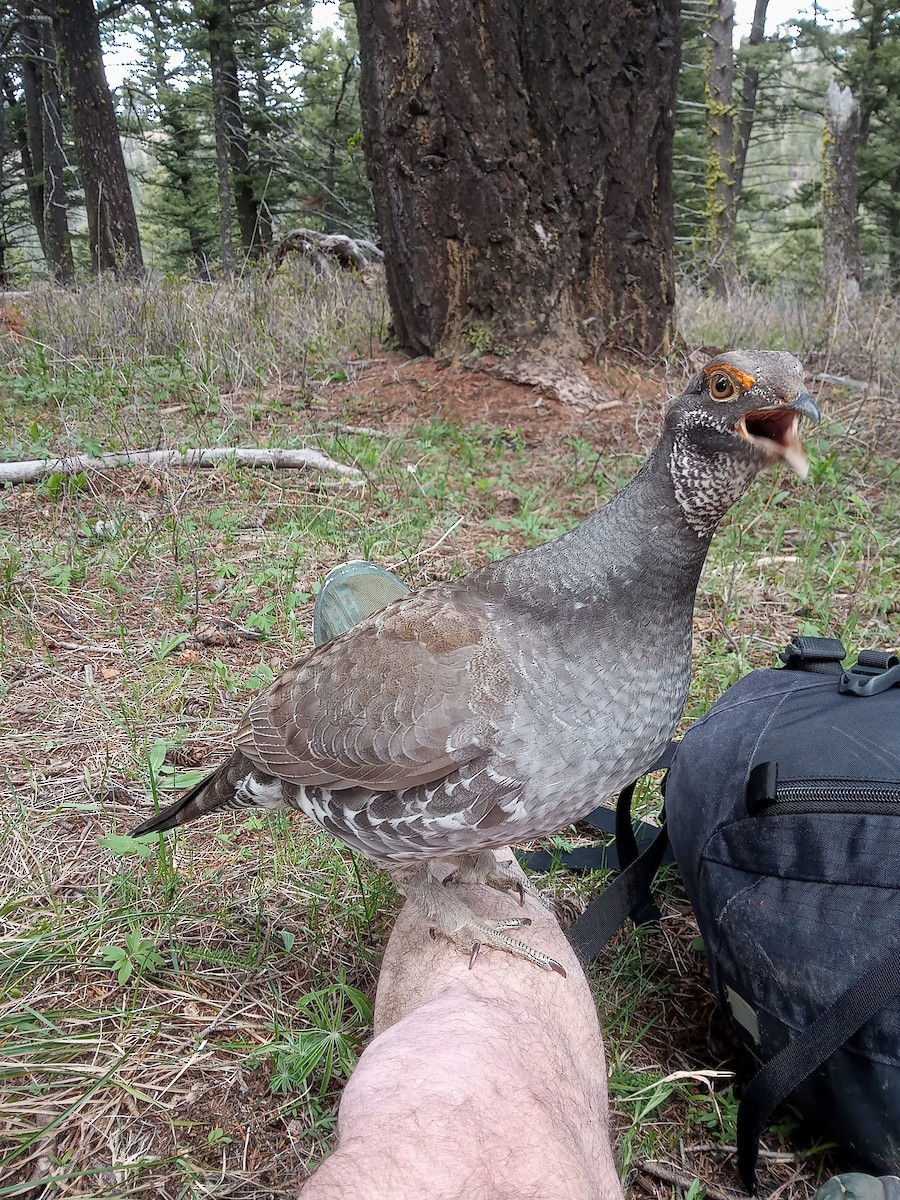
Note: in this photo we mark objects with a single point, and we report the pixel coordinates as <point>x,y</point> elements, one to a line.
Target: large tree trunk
<point>42,136</point>
<point>720,191</point>
<point>231,131</point>
<point>842,261</point>
<point>15,117</point>
<point>58,242</point>
<point>223,158</point>
<point>749,88</point>
<point>4,277</point>
<point>521,157</point>
<point>30,135</point>
<point>893,228</point>
<point>112,225</point>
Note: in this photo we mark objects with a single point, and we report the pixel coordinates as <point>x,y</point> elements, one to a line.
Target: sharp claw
<point>476,946</point>
<point>449,880</point>
<point>520,888</point>
<point>558,968</point>
<point>433,935</point>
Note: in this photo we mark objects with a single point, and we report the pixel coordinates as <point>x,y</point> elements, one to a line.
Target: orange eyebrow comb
<point>746,381</point>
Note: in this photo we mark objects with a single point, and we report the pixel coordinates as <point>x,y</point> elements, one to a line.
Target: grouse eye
<point>723,387</point>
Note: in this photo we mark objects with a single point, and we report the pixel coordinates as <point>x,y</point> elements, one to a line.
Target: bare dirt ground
<point>393,391</point>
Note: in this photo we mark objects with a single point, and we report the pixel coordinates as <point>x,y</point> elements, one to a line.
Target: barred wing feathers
<point>402,699</point>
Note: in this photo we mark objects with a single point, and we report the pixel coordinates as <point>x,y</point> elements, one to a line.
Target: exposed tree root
<point>561,378</point>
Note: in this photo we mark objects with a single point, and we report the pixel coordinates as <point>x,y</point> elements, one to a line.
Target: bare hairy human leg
<point>486,1084</point>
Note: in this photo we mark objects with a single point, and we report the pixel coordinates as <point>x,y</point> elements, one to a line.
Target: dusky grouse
<point>505,705</point>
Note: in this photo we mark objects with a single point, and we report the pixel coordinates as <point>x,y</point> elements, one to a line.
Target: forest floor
<point>177,1020</point>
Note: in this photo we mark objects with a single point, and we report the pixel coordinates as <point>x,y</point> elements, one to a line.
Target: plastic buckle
<point>873,672</point>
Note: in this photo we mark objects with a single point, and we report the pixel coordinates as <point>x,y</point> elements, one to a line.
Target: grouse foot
<point>447,913</point>
<point>469,939</point>
<point>484,868</point>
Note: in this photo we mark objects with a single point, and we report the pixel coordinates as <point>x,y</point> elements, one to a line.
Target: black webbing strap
<point>628,892</point>
<point>639,851</point>
<point>821,656</point>
<point>596,857</point>
<point>806,1052</point>
<point>644,910</point>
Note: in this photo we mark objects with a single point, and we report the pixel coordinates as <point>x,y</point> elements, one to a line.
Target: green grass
<point>181,1017</point>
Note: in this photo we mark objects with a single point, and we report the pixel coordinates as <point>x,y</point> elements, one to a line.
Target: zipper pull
<point>762,784</point>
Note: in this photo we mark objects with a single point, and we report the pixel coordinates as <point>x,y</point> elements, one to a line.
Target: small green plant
<point>63,575</point>
<point>136,954</point>
<point>168,644</point>
<point>335,1018</point>
<point>218,1137</point>
<point>10,564</point>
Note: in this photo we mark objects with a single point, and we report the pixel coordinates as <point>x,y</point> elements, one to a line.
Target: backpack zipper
<point>837,796</point>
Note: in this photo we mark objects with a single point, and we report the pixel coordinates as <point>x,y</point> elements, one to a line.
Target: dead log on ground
<point>73,464</point>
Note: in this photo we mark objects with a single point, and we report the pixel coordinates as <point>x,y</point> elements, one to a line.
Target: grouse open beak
<point>775,429</point>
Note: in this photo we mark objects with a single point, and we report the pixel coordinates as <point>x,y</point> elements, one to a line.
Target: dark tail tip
<point>185,809</point>
<point>159,823</point>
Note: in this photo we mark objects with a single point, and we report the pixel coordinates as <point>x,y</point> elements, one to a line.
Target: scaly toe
<point>470,938</point>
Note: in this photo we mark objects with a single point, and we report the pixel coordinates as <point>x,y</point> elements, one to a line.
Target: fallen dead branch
<point>310,460</point>
<point>681,1179</point>
<point>349,253</point>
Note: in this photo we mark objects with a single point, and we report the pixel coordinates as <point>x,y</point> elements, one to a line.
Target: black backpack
<point>783,810</point>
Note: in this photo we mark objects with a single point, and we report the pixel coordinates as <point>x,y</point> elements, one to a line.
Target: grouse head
<point>738,415</point>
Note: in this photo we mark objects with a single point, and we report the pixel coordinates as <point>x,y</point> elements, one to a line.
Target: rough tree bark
<point>42,144</point>
<point>893,229</point>
<point>112,225</point>
<point>4,275</point>
<point>30,135</point>
<point>720,190</point>
<point>842,261</point>
<point>521,157</point>
<point>749,88</point>
<point>58,242</point>
<point>231,132</point>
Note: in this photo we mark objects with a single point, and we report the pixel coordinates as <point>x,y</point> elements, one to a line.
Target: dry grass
<point>232,337</point>
<point>178,1024</point>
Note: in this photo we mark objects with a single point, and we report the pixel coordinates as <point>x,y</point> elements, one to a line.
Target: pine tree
<point>112,225</point>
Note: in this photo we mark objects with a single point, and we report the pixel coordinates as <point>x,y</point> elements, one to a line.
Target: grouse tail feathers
<point>212,792</point>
